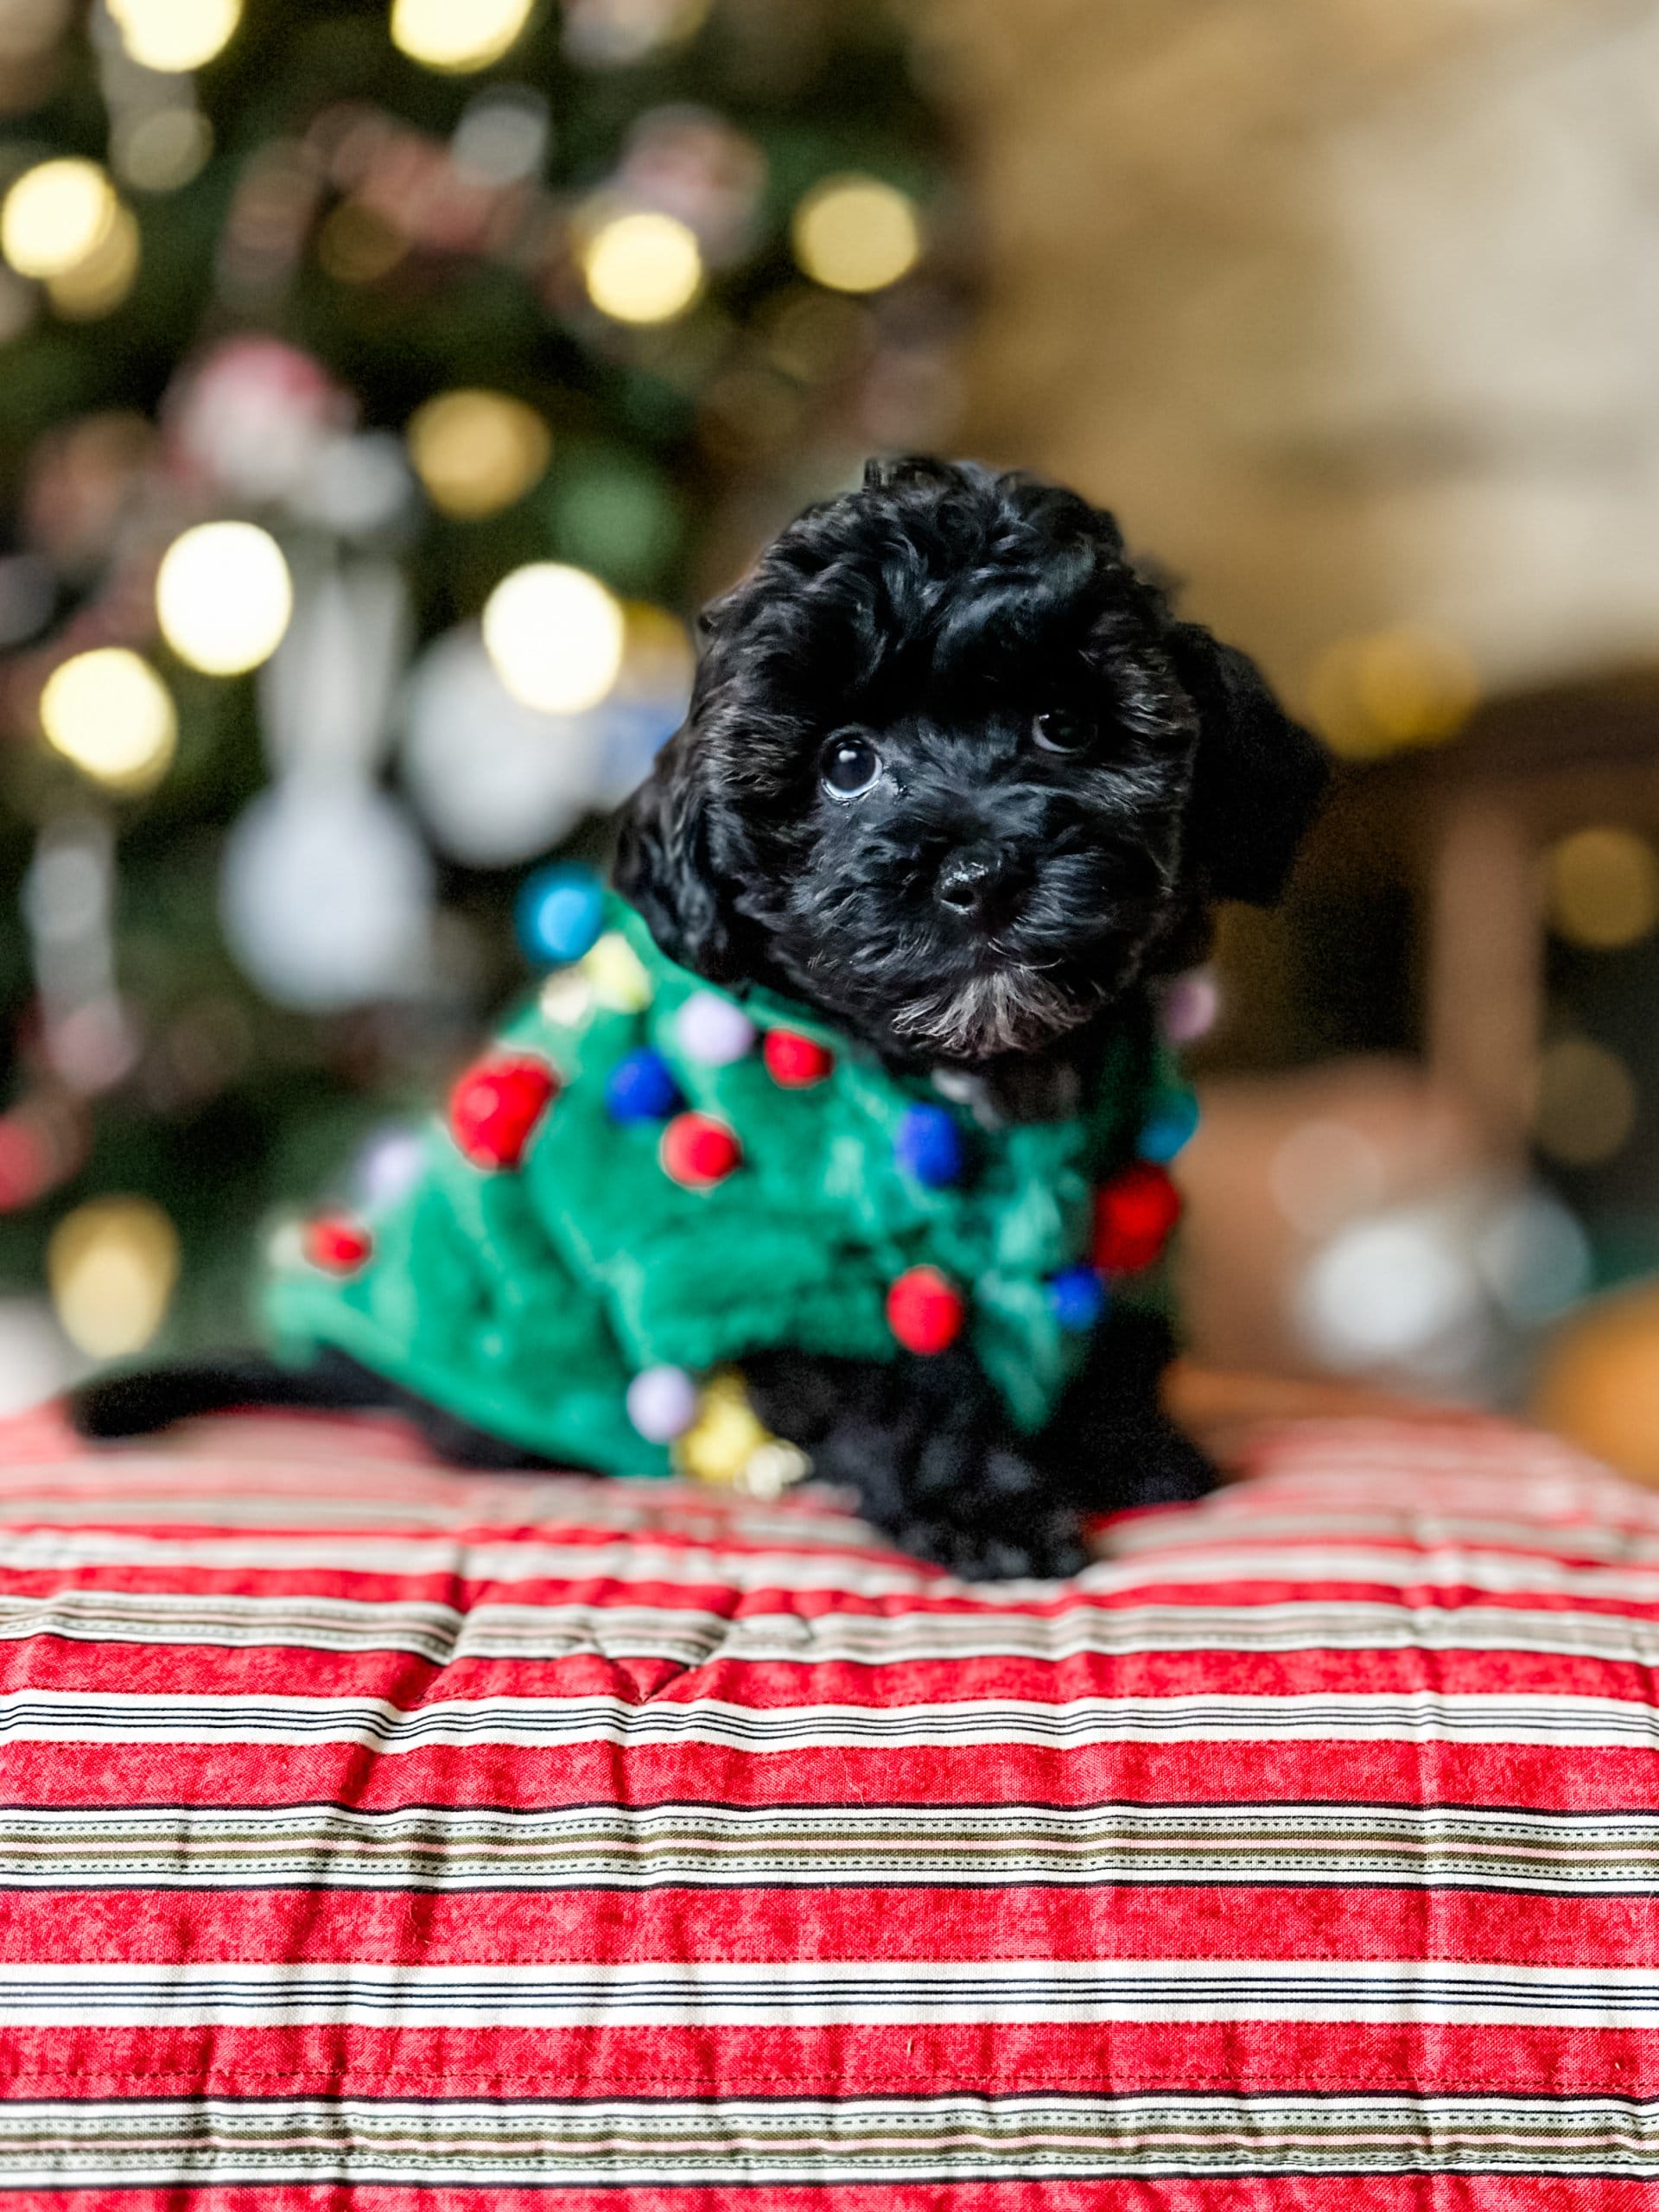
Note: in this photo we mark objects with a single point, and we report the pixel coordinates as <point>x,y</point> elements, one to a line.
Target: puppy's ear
<point>665,865</point>
<point>1257,775</point>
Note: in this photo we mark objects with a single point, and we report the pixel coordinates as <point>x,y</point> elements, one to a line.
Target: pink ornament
<point>253,415</point>
<point>661,1404</point>
<point>714,1031</point>
<point>1191,1003</point>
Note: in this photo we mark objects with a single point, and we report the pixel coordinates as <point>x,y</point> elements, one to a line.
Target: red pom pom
<point>1134,1215</point>
<point>340,1245</point>
<point>698,1151</point>
<point>926,1311</point>
<point>496,1105</point>
<point>795,1061</point>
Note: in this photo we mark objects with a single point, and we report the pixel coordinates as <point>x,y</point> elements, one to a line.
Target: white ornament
<point>327,895</point>
<point>495,781</point>
<point>326,695</point>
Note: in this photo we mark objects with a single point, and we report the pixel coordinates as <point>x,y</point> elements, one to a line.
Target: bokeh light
<point>97,285</point>
<point>111,1265</point>
<point>224,597</point>
<point>457,35</point>
<point>856,234</point>
<point>174,34</point>
<point>1387,1291</point>
<point>109,713</point>
<point>55,216</point>
<point>161,148</point>
<point>1603,888</point>
<point>643,267</point>
<point>476,452</point>
<point>1584,1102</point>
<point>1376,695</point>
<point>1323,1173</point>
<point>357,245</point>
<point>556,636</point>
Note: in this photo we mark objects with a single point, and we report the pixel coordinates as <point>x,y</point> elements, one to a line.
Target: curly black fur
<point>1063,778</point>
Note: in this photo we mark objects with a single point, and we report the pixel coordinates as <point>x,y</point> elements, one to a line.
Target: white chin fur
<point>1009,1010</point>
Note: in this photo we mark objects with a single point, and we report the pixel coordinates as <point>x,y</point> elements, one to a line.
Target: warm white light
<point>556,636</point>
<point>224,597</point>
<point>476,452</point>
<point>1584,1103</point>
<point>1603,888</point>
<point>97,285</point>
<point>56,215</point>
<point>161,148</point>
<point>458,34</point>
<point>174,34</point>
<point>642,268</point>
<point>111,1265</point>
<point>111,715</point>
<point>856,234</point>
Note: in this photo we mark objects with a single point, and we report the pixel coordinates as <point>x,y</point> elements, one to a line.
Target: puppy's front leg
<point>1110,1443</point>
<point>932,1458</point>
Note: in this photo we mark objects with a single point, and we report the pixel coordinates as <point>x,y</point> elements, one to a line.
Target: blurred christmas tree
<point>377,391</point>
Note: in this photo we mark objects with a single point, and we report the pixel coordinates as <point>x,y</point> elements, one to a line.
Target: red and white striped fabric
<point>378,1834</point>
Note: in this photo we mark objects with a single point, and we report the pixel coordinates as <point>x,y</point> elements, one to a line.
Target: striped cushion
<point>458,1840</point>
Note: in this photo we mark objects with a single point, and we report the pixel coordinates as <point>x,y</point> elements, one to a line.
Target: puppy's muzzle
<point>981,883</point>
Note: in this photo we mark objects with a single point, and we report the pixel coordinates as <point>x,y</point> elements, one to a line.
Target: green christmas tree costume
<point>560,1242</point>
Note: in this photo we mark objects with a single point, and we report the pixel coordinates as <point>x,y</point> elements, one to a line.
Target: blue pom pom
<point>641,1087</point>
<point>1169,1127</point>
<point>1076,1298</point>
<point>560,913</point>
<point>929,1146</point>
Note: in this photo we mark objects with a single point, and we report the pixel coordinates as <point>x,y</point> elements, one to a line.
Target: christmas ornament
<point>495,781</point>
<point>641,1087</point>
<point>337,1244</point>
<point>714,1031</point>
<point>661,1404</point>
<point>1133,1216</point>
<point>924,1311</point>
<point>929,1146</point>
<point>496,1105</point>
<point>697,1152</point>
<point>560,910</point>
<point>694,165</point>
<point>325,893</point>
<point>1076,1298</point>
<point>795,1061</point>
<point>253,415</point>
<point>327,695</point>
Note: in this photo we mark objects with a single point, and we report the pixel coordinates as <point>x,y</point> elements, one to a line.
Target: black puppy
<point>954,776</point>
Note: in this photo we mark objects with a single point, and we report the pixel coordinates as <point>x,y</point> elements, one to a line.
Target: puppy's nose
<point>972,879</point>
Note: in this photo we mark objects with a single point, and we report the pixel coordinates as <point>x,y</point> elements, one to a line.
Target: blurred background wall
<point>503,332</point>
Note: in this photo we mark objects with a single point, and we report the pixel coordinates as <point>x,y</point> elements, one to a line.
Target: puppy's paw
<point>1048,1550</point>
<point>1166,1468</point>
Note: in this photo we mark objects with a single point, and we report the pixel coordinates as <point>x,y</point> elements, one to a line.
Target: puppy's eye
<point>1061,732</point>
<point>849,766</point>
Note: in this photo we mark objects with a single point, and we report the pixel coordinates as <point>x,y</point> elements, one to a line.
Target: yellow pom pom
<point>730,1446</point>
<point>616,976</point>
